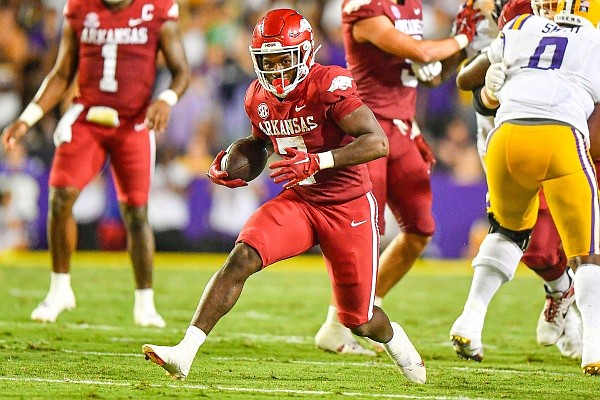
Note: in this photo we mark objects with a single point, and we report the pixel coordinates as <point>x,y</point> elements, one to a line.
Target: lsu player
<point>312,116</point>
<point>559,323</point>
<point>111,46</point>
<point>541,141</point>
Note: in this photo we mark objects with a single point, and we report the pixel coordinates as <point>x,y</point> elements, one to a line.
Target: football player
<point>559,323</point>
<point>541,138</point>
<point>387,56</point>
<point>112,45</point>
<point>312,116</point>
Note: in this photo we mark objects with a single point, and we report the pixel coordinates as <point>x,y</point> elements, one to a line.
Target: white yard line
<point>218,388</point>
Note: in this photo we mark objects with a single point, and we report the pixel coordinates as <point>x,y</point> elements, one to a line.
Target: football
<point>244,159</point>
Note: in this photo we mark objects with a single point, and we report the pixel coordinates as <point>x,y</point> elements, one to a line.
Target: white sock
<point>332,317</point>
<point>193,339</point>
<point>485,284</point>
<point>378,301</point>
<point>59,283</point>
<point>561,284</point>
<point>144,298</point>
<point>587,296</point>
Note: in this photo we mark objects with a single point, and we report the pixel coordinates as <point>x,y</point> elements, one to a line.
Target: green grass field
<point>264,348</point>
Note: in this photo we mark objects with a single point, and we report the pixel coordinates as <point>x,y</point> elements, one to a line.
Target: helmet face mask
<point>545,8</point>
<point>578,13</point>
<point>282,50</point>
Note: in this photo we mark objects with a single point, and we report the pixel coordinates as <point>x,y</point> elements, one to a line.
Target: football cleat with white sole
<point>148,318</point>
<point>405,356</point>
<point>552,321</point>
<point>336,338</point>
<point>466,339</point>
<point>171,358</point>
<point>54,304</point>
<point>570,344</point>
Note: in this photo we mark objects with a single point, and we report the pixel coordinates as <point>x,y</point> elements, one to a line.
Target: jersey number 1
<point>108,83</point>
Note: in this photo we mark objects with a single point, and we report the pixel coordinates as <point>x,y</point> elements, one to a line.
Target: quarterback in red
<point>112,46</point>
<point>387,57</point>
<point>313,118</point>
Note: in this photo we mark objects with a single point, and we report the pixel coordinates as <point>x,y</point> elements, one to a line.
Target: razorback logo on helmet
<point>354,5</point>
<point>341,83</point>
<point>304,26</point>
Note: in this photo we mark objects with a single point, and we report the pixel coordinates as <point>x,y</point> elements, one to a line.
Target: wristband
<point>169,96</point>
<point>31,114</point>
<point>326,160</point>
<point>488,98</point>
<point>462,40</point>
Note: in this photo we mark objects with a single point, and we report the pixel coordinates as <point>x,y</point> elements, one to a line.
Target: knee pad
<point>520,238</point>
<point>499,252</point>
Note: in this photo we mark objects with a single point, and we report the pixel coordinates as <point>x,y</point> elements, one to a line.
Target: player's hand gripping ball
<point>242,162</point>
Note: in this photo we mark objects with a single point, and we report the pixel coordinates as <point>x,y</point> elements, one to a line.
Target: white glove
<point>426,72</point>
<point>495,77</point>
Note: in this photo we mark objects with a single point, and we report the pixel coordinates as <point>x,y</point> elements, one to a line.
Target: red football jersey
<point>385,82</point>
<point>306,120</point>
<point>512,9</point>
<point>117,51</point>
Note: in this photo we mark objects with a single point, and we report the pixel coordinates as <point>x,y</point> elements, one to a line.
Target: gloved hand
<point>466,19</point>
<point>425,151</point>
<point>216,175</point>
<point>426,72</point>
<point>495,77</point>
<point>296,167</point>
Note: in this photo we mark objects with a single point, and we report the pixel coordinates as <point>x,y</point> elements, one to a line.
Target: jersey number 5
<point>108,83</point>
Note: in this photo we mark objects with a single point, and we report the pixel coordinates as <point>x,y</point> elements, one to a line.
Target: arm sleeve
<point>496,49</point>
<point>355,10</point>
<point>338,93</point>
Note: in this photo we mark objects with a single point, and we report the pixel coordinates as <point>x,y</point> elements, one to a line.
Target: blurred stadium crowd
<point>186,211</point>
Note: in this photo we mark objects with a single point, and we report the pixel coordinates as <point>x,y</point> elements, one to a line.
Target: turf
<point>264,348</point>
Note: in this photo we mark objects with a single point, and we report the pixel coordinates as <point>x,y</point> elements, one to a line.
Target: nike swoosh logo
<point>298,108</point>
<point>135,21</point>
<point>301,161</point>
<point>417,11</point>
<point>139,127</point>
<point>354,224</point>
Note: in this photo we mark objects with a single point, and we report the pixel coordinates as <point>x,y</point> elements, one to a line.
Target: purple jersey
<point>385,82</point>
<point>306,120</point>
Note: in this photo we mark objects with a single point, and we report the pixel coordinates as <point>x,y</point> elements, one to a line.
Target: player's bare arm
<point>472,74</point>
<point>370,143</point>
<point>52,90</point>
<point>380,31</point>
<point>171,45</point>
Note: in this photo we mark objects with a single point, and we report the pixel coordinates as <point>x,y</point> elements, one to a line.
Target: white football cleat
<point>336,338</point>
<point>570,344</point>
<point>405,356</point>
<point>148,318</point>
<point>49,309</point>
<point>466,338</point>
<point>171,358</point>
<point>552,322</point>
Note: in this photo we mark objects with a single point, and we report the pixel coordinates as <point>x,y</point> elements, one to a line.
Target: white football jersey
<point>553,71</point>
